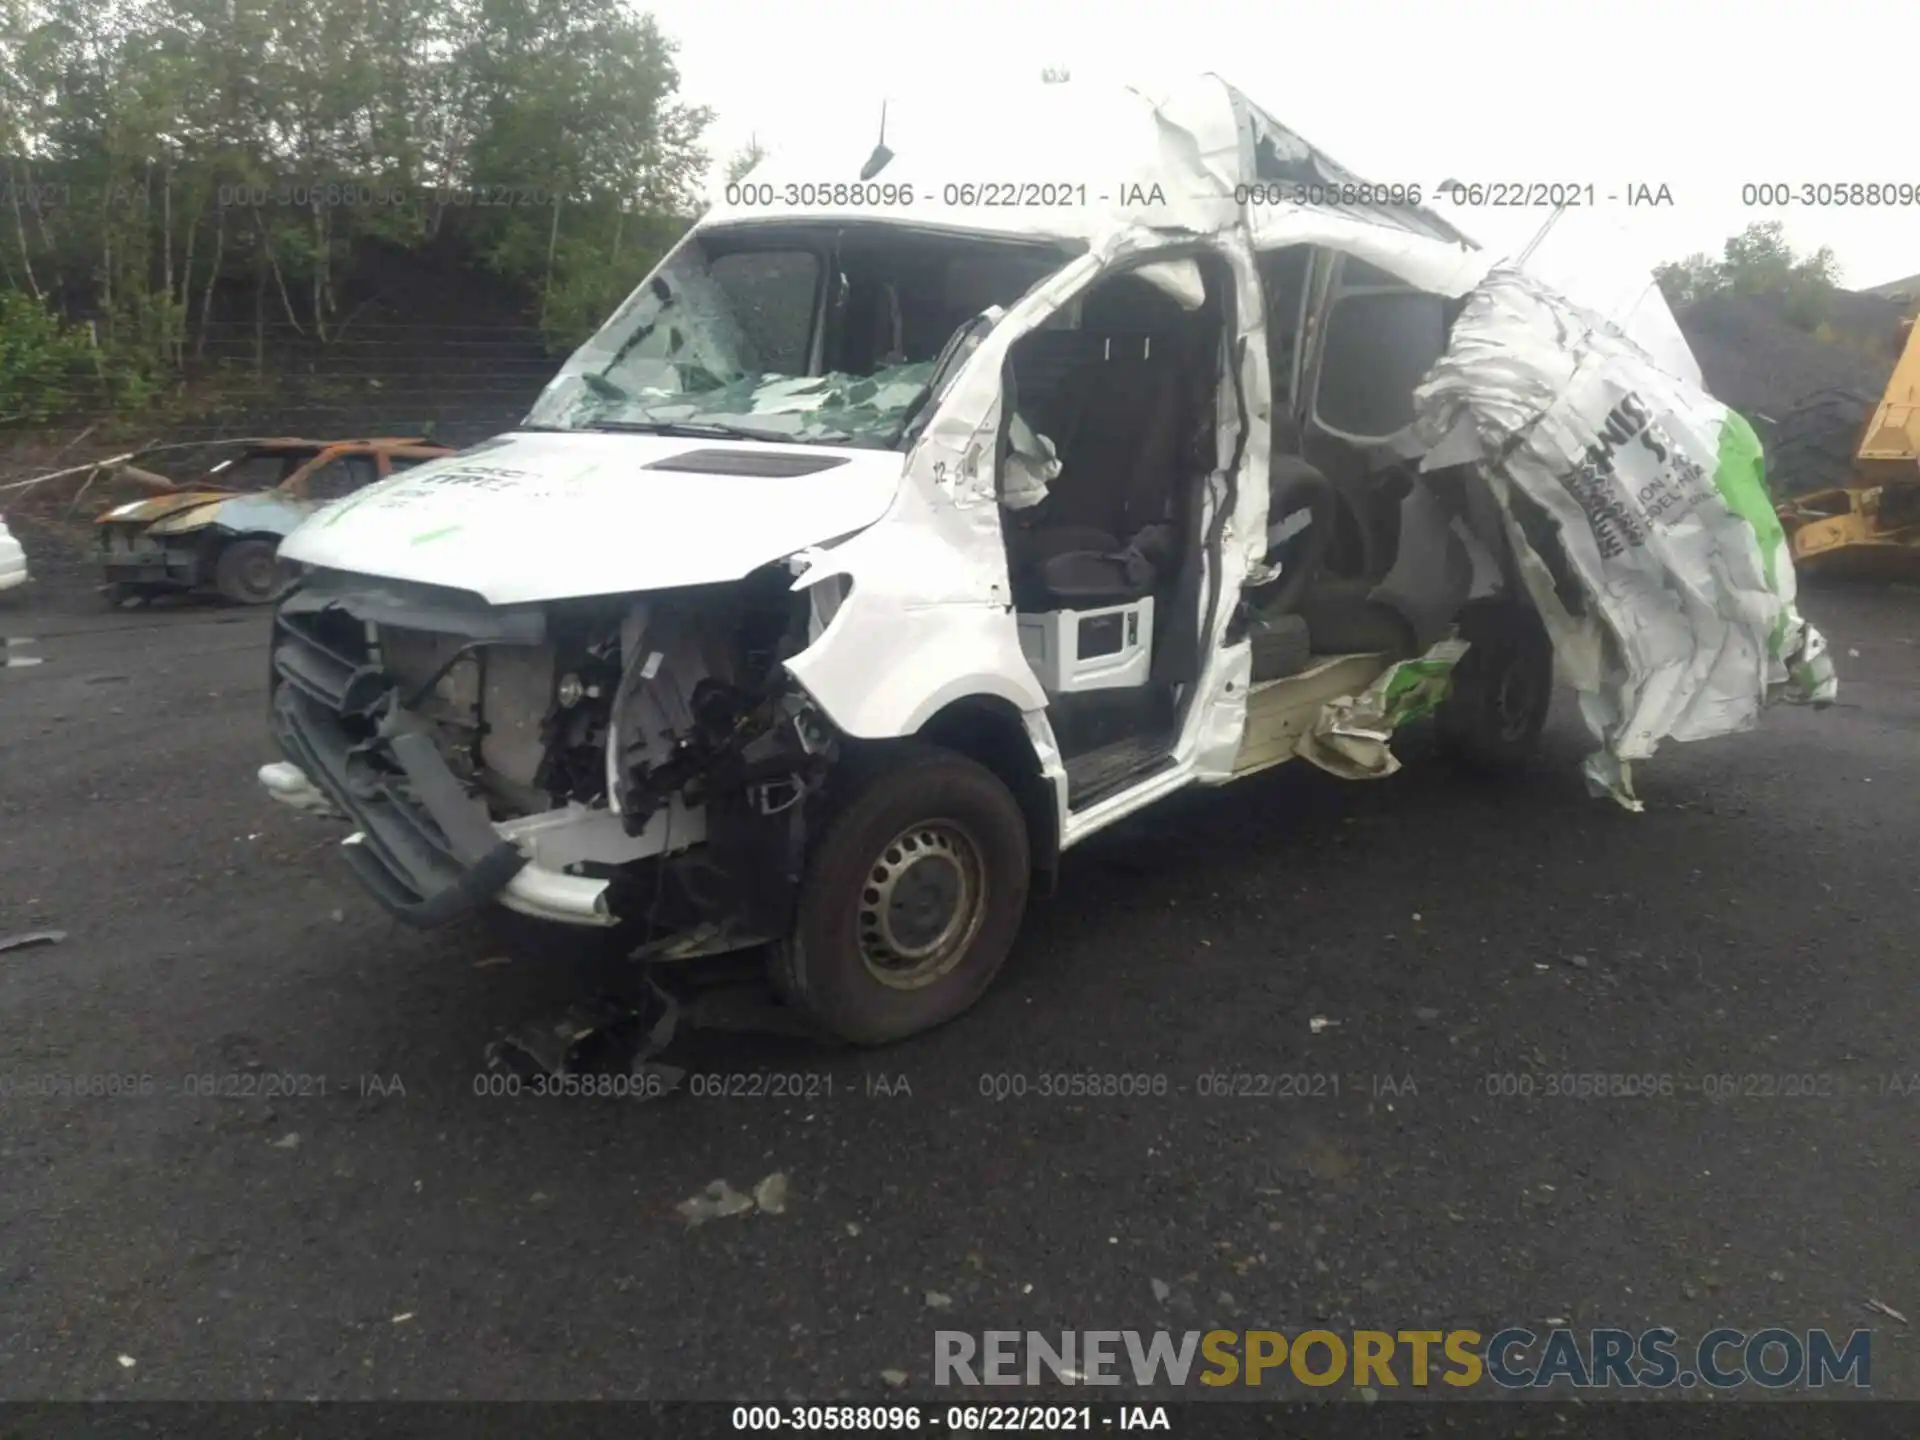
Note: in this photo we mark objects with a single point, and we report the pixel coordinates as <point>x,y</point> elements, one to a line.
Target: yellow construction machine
<point>1870,527</point>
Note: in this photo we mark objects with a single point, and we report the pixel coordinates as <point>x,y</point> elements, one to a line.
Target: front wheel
<point>912,898</point>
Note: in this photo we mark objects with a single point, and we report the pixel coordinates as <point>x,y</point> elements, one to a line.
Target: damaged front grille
<point>318,654</point>
<point>427,848</point>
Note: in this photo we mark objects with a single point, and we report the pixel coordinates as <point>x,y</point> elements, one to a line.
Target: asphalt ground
<point>1428,953</point>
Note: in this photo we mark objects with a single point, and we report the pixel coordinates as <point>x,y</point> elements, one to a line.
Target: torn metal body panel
<point>1657,562</point>
<point>876,551</point>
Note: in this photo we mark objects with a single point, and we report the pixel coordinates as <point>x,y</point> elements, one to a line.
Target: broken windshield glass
<point>828,339</point>
<point>723,343</point>
<point>865,410</point>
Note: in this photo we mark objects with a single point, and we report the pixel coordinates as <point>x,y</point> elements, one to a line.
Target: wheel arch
<point>988,729</point>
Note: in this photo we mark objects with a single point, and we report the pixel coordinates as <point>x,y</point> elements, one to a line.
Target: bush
<point>44,364</point>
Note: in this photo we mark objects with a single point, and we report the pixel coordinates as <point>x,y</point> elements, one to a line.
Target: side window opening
<point>1283,279</point>
<point>1379,343</point>
<point>339,478</point>
<point>257,469</point>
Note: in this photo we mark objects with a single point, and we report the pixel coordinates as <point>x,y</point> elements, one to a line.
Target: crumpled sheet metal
<point>1656,489</point>
<point>1353,734</point>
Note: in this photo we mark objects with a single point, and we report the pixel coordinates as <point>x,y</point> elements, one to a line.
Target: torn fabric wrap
<point>1351,735</point>
<point>1683,621</point>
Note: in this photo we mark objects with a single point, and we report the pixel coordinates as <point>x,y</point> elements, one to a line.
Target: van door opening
<point>1107,569</point>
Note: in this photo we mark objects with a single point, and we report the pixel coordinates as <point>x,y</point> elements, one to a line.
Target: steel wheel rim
<point>260,575</point>
<point>1513,704</point>
<point>921,904</point>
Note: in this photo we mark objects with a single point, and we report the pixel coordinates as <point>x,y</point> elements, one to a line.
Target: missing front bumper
<point>422,851</point>
<point>533,890</point>
<point>146,562</point>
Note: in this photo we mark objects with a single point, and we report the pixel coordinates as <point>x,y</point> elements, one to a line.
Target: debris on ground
<point>1319,1023</point>
<point>127,1362</point>
<point>895,1378</point>
<point>287,784</point>
<point>1161,1290</point>
<point>716,1202</point>
<point>555,1044</point>
<point>603,1036</point>
<point>720,1200</point>
<point>771,1193</point>
<point>288,1141</point>
<point>1887,1310</point>
<point>938,1301</point>
<point>31,937</point>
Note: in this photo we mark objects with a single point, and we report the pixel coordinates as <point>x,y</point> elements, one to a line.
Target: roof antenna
<point>877,161</point>
<point>1534,244</point>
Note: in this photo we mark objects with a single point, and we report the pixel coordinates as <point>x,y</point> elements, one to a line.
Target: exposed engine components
<point>573,735</point>
<point>707,711</point>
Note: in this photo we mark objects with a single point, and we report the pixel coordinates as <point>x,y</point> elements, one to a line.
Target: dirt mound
<point>1761,364</point>
<point>1809,395</point>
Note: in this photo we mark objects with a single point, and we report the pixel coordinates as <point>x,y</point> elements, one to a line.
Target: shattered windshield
<point>829,342</point>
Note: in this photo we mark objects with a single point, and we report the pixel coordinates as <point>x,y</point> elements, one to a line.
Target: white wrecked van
<point>931,507</point>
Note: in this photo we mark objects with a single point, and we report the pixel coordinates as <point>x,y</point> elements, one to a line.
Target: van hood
<point>553,516</point>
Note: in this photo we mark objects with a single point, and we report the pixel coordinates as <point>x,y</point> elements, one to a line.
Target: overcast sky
<point>1700,97</point>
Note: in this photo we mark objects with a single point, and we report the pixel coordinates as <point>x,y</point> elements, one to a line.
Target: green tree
<point>1757,261</point>
<point>750,155</point>
<point>169,162</point>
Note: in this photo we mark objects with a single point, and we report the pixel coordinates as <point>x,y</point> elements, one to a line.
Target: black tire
<point>249,572</point>
<point>1491,719</point>
<point>1343,619</point>
<point>912,809</point>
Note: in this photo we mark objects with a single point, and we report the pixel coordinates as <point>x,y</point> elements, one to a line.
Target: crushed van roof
<point>1078,160</point>
<point>1086,164</point>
